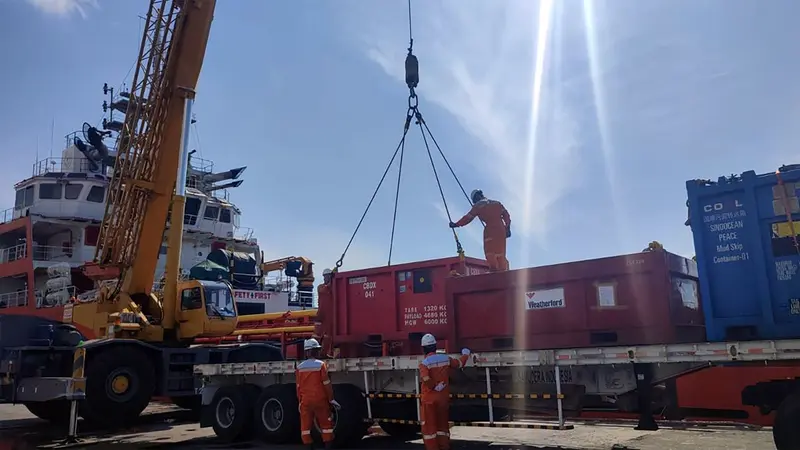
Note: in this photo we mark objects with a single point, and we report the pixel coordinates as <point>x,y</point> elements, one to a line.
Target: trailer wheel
<point>349,426</point>
<point>232,411</point>
<point>120,381</point>
<point>277,420</point>
<point>54,411</point>
<point>785,432</point>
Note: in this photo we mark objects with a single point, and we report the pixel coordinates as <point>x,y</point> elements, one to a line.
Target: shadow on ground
<point>28,434</point>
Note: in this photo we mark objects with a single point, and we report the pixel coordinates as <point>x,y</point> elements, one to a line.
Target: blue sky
<point>633,97</point>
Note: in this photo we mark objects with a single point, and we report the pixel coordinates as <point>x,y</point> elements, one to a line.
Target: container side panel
<point>726,237</point>
<point>483,314</point>
<point>370,303</point>
<point>746,236</point>
<point>421,300</point>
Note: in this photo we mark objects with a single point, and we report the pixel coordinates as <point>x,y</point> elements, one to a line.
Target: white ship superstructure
<point>55,224</point>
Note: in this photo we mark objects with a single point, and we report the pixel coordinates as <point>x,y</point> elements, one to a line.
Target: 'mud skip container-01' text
<point>745,232</point>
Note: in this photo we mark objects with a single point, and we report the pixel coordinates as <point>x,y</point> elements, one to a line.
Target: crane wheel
<point>276,416</point>
<point>120,381</point>
<point>785,432</point>
<point>54,411</point>
<point>232,412</point>
<point>349,427</point>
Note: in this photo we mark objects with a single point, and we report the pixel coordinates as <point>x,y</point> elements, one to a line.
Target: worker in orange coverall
<point>315,394</point>
<point>497,230</point>
<point>434,409</point>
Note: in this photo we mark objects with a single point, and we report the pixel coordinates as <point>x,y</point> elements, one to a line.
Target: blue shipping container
<point>745,232</point>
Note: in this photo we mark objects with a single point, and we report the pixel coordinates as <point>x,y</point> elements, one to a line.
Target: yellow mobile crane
<point>144,349</point>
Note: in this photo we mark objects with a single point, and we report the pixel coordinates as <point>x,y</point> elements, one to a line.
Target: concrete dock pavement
<point>166,427</point>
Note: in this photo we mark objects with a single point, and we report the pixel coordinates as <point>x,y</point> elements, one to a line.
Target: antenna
<point>52,129</point>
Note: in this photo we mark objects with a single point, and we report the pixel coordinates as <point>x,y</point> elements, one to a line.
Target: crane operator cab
<point>206,309</point>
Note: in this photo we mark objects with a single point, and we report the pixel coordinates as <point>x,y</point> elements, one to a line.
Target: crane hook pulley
<point>412,113</point>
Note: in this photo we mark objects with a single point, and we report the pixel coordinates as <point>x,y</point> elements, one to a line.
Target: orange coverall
<point>497,221</point>
<point>314,392</point>
<point>434,405</point>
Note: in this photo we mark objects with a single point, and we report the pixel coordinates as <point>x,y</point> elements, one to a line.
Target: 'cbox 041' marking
<point>545,299</point>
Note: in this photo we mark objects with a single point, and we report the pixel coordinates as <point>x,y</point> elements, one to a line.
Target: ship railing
<point>14,299</point>
<point>244,234</point>
<point>221,194</point>
<point>13,253</point>
<point>55,297</point>
<point>54,253</point>
<point>55,165</point>
<point>201,165</point>
<point>7,215</point>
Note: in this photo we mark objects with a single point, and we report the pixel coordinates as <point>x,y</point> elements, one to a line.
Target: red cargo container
<point>643,298</point>
<point>386,310</point>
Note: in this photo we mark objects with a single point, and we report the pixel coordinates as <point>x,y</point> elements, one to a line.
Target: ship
<point>54,226</point>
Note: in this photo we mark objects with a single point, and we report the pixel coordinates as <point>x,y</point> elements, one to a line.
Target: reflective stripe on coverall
<point>434,406</point>
<point>497,221</point>
<point>314,392</point>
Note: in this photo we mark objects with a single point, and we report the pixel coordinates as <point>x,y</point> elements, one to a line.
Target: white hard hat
<point>428,339</point>
<point>311,344</point>
<point>327,272</point>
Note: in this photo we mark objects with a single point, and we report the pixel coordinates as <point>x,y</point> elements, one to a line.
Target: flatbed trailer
<point>240,399</point>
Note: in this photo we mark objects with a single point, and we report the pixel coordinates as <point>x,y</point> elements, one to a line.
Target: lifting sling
<point>412,113</point>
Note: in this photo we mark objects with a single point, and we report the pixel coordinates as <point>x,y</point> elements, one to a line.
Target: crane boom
<point>150,148</point>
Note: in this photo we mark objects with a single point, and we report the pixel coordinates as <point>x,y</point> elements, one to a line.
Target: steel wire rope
<point>412,81</point>
<point>420,122</point>
<point>397,192</point>
<point>400,145</point>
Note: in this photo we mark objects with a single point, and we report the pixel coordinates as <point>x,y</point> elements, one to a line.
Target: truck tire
<point>120,381</point>
<point>232,412</point>
<point>276,416</point>
<point>785,432</point>
<point>54,411</point>
<point>349,425</point>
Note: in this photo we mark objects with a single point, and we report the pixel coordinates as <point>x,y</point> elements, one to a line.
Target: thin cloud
<point>64,8</point>
<point>478,62</point>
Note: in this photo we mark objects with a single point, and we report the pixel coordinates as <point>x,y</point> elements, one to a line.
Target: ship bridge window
<point>72,191</point>
<point>97,194</point>
<point>225,215</point>
<point>24,198</point>
<point>211,213</point>
<point>192,211</point>
<point>50,191</point>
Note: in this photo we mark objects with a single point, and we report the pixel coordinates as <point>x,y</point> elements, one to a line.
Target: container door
<point>782,238</point>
